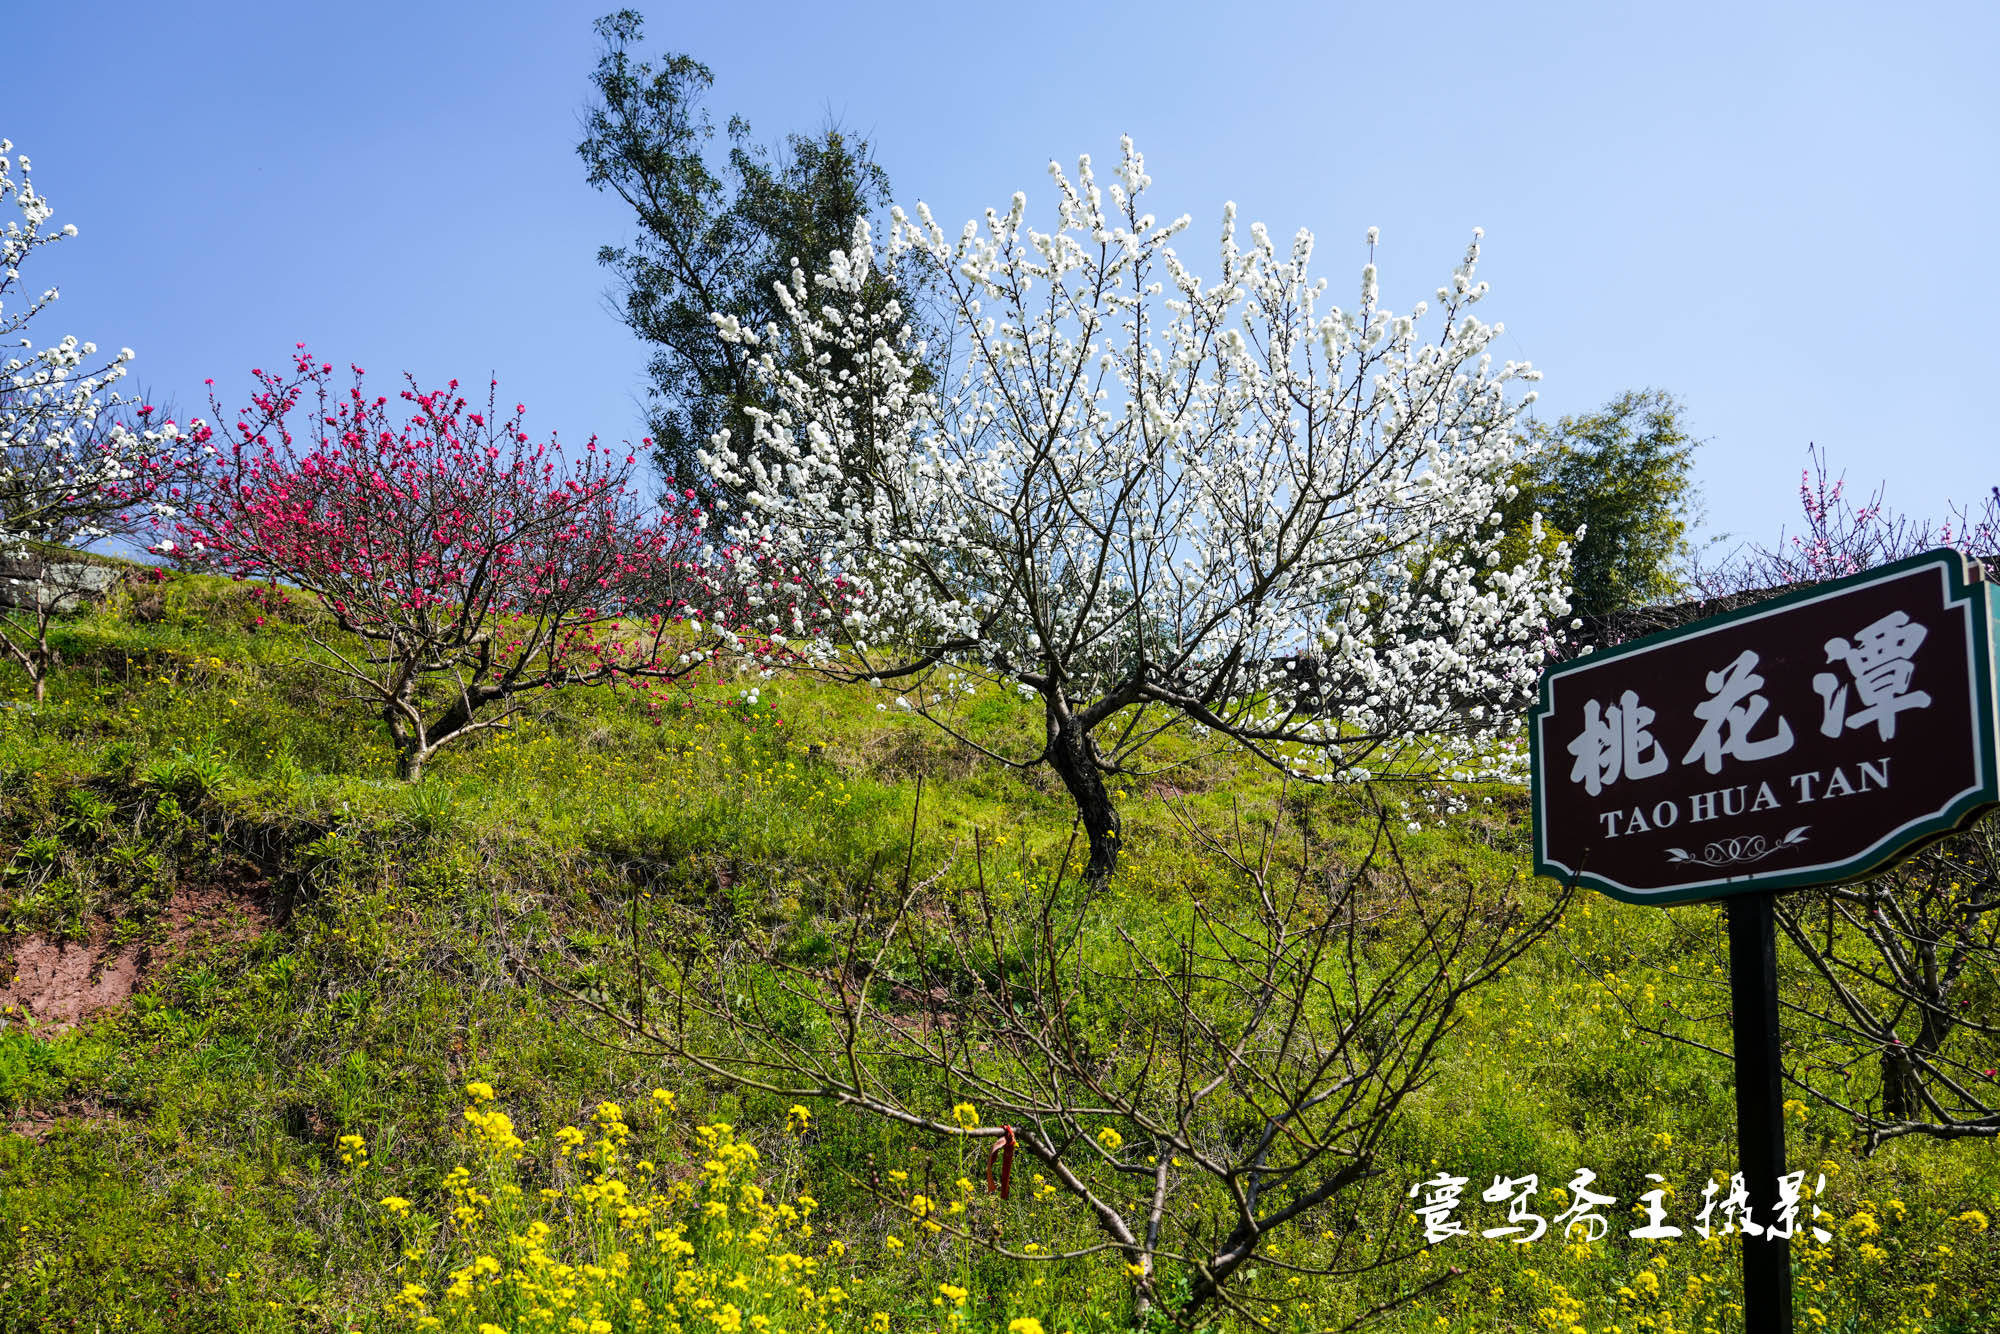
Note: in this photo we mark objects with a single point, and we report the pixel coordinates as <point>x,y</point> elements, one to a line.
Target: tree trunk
<point>414,748</point>
<point>1069,751</point>
<point>1902,1096</point>
<point>42,659</point>
<point>409,743</point>
<point>1142,1306</point>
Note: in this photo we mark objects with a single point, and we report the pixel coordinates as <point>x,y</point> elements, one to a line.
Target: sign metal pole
<point>1813,738</point>
<point>1760,1112</point>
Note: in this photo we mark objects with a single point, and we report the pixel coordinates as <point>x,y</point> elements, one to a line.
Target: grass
<point>181,1166</point>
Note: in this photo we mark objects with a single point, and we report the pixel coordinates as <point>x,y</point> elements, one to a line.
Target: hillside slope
<point>236,940</point>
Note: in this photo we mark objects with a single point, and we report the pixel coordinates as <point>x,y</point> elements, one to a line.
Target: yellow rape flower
<point>966,1116</point>
<point>496,1129</point>
<point>1110,1139</point>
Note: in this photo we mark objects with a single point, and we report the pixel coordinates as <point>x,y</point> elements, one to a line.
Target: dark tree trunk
<point>414,749</point>
<point>1902,1098</point>
<point>1899,1097</point>
<point>1070,752</point>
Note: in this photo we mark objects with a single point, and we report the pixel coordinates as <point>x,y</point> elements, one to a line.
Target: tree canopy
<point>712,238</point>
<point>1620,482</point>
<point>1137,498</point>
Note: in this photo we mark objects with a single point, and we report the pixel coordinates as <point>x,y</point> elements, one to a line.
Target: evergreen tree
<point>1623,477</point>
<point>712,240</point>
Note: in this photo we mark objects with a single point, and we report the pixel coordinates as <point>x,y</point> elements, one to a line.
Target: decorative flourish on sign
<point>1738,851</point>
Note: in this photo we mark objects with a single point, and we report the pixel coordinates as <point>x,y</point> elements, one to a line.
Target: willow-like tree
<point>1139,499</point>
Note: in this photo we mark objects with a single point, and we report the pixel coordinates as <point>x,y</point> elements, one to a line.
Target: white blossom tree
<point>1150,503</point>
<point>76,463</point>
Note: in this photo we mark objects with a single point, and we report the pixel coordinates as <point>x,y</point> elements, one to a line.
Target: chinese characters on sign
<point>1881,661</point>
<point>1810,739</point>
<point>1584,1219</point>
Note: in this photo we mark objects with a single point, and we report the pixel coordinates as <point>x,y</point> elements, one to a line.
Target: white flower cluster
<point>68,469</point>
<point>1108,484</point>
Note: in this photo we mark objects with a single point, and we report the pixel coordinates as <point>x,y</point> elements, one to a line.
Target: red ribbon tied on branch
<point>1004,1151</point>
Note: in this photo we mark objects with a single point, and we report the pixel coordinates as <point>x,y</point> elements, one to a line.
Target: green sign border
<point>1981,598</point>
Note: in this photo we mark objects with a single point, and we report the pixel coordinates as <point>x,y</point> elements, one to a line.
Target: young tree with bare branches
<point>1910,962</point>
<point>1899,1028</point>
<point>1197,1089</point>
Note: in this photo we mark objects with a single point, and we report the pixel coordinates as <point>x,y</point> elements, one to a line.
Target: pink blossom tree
<point>467,564</point>
<point>1838,537</point>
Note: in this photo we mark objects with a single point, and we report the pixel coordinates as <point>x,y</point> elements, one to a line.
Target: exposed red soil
<point>36,1123</point>
<point>55,984</point>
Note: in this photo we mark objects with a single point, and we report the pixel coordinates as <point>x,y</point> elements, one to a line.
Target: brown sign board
<point>1806,740</point>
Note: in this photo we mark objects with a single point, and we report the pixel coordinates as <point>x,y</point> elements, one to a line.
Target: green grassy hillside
<point>289,970</point>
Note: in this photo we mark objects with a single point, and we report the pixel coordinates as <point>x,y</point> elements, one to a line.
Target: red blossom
<point>468,558</point>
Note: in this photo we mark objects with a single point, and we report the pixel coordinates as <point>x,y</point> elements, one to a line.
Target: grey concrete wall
<point>26,581</point>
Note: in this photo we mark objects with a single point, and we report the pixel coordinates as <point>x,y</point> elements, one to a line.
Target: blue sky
<point>1777,212</point>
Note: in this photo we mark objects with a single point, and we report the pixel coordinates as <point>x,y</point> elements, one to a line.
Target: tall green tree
<point>711,239</point>
<point>1623,477</point>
